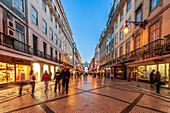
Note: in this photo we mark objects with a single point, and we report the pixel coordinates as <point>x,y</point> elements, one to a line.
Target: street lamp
<point>140,24</point>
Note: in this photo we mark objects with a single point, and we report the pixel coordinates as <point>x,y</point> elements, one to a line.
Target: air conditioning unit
<point>10,32</point>
<point>9,23</point>
<point>9,28</point>
<point>166,49</point>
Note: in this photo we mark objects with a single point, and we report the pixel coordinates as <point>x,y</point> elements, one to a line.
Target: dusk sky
<point>87,19</point>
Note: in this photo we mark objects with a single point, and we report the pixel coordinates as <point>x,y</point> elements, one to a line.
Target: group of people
<point>155,79</point>
<point>60,76</point>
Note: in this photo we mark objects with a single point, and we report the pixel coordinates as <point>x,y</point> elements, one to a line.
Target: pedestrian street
<point>91,95</point>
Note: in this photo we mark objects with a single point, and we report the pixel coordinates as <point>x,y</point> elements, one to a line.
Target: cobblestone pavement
<point>91,95</point>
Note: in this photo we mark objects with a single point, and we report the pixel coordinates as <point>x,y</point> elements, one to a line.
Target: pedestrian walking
<point>152,76</point>
<point>32,79</point>
<point>66,76</point>
<point>157,81</point>
<point>21,83</point>
<point>57,79</point>
<point>46,78</point>
<point>111,77</point>
<point>99,75</point>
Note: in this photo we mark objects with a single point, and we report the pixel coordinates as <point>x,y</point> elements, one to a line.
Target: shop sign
<point>148,56</point>
<point>17,61</point>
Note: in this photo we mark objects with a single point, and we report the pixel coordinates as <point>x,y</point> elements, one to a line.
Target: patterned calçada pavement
<point>91,95</point>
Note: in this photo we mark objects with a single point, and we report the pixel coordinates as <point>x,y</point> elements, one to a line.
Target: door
<point>44,49</point>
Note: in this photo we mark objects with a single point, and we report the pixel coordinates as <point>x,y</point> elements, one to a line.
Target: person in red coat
<point>46,78</point>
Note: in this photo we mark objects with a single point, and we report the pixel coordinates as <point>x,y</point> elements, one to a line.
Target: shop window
<point>7,73</point>
<point>142,73</point>
<point>36,68</point>
<point>22,69</point>
<point>154,31</point>
<point>167,72</point>
<point>161,69</point>
<point>45,67</point>
<point>149,69</point>
<point>52,72</point>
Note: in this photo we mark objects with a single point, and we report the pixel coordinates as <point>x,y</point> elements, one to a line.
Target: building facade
<point>145,47</point>
<point>34,34</point>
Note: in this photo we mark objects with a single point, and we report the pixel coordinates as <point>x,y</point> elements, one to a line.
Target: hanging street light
<point>140,24</point>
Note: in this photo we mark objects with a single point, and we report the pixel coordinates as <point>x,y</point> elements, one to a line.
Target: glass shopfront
<point>143,72</point>
<point>45,67</point>
<point>7,72</point>
<point>36,68</point>
<point>52,72</point>
<point>22,69</point>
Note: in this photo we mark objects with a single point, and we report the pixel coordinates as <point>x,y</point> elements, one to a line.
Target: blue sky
<point>87,19</point>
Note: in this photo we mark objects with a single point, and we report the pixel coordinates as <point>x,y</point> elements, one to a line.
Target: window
<point>19,4</point>
<point>64,38</point>
<point>44,5</point>
<point>61,33</point>
<point>44,26</point>
<point>51,34</point>
<point>55,24</point>
<point>154,31</point>
<point>34,15</point>
<point>56,39</point>
<point>62,46</point>
<point>116,55</point>
<point>139,14</point>
<point>129,24</point>
<point>20,33</point>
<point>121,15</point>
<point>121,33</point>
<point>51,16</point>
<point>128,5</point>
<point>51,52</point>
<point>116,23</point>
<point>128,47</point>
<point>137,41</point>
<point>59,43</point>
<point>154,3</point>
<point>59,29</point>
<point>121,51</point>
<point>116,38</point>
<point>56,54</point>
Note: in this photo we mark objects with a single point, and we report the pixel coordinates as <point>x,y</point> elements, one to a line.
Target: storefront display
<point>143,72</point>
<point>22,69</point>
<point>36,68</point>
<point>45,67</point>
<point>52,72</point>
<point>7,73</point>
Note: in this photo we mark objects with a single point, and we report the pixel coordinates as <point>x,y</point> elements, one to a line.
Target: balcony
<point>157,46</point>
<point>13,43</point>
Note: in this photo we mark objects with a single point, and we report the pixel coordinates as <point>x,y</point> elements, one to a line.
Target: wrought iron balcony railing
<point>13,43</point>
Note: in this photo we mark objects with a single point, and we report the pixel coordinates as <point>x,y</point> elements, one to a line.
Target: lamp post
<point>140,24</point>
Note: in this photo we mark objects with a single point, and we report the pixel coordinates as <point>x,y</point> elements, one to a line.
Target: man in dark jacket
<point>152,76</point>
<point>157,81</point>
<point>57,79</point>
<point>66,76</point>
